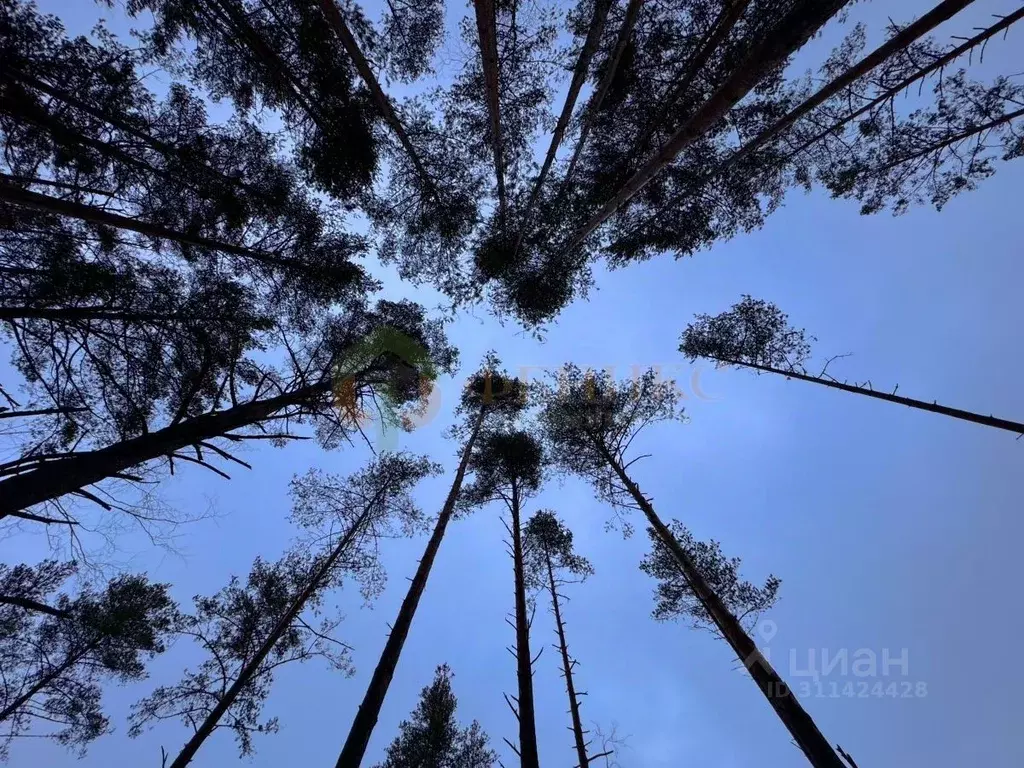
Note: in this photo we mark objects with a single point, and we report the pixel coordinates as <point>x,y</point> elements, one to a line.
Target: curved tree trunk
<point>800,725</point>
<point>528,752</point>
<point>71,474</point>
<point>567,665</point>
<point>976,418</point>
<point>248,672</point>
<point>369,710</point>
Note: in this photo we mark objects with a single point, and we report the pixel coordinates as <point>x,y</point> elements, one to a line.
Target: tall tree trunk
<point>625,32</point>
<point>940,13</point>
<point>369,710</point>
<point>249,671</point>
<point>77,471</point>
<point>719,31</point>
<point>977,418</point>
<point>486,27</point>
<point>800,725</point>
<point>792,31</point>
<point>1005,23</point>
<point>528,753</point>
<point>579,76</point>
<point>567,664</point>
<point>17,195</point>
<point>351,46</point>
<point>44,681</point>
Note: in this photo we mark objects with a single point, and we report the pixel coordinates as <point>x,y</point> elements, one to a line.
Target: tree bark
<point>800,725</point>
<point>249,671</point>
<point>369,710</point>
<point>528,752</point>
<point>977,418</point>
<point>625,31</point>
<point>791,32</point>
<point>487,33</point>
<point>75,472</point>
<point>574,704</point>
<point>17,195</point>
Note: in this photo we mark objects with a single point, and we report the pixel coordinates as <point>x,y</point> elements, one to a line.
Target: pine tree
<point>56,652</point>
<point>590,421</point>
<point>550,563</point>
<point>755,334</point>
<point>490,399</point>
<point>390,352</point>
<point>508,466</point>
<point>250,630</point>
<point>675,597</point>
<point>432,738</point>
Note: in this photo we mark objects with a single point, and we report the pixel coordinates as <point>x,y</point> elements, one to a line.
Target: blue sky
<point>891,529</point>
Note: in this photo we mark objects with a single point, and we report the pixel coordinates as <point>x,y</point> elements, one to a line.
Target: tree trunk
<point>528,753</point>
<point>42,682</point>
<point>1005,23</point>
<point>369,710</point>
<point>348,41</point>
<point>249,671</point>
<point>487,33</point>
<point>800,725</point>
<point>791,32</point>
<point>579,76</point>
<point>75,472</point>
<point>33,605</point>
<point>8,414</point>
<point>17,195</point>
<point>723,25</point>
<point>956,413</point>
<point>940,13</point>
<point>574,704</point>
<point>625,32</point>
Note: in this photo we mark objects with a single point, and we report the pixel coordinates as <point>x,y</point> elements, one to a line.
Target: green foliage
<point>58,655</point>
<point>432,738</point>
<point>228,627</point>
<point>753,331</point>
<point>675,597</point>
<point>548,541</point>
<point>507,464</point>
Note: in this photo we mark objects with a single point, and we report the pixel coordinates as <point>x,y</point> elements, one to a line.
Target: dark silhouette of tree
<point>56,652</point>
<point>250,630</point>
<point>385,358</point>
<point>491,399</point>
<point>550,562</point>
<point>675,597</point>
<point>282,55</point>
<point>756,334</point>
<point>508,466</point>
<point>590,422</point>
<point>432,738</point>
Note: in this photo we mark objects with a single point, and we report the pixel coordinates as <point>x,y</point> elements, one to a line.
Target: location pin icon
<point>768,629</point>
